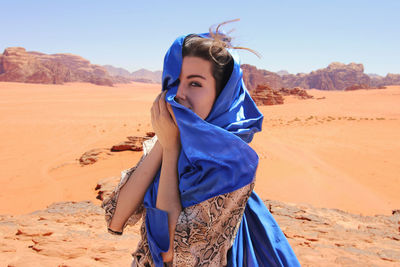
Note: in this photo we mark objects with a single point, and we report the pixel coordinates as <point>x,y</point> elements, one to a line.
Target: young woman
<point>193,187</point>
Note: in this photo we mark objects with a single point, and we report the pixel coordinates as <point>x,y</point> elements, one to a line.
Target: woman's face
<point>196,89</point>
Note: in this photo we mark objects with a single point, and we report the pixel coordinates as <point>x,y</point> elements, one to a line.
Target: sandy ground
<point>340,151</point>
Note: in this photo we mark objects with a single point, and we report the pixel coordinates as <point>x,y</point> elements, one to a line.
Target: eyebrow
<point>196,76</point>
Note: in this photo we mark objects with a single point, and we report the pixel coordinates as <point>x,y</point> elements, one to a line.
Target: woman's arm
<point>168,198</point>
<point>132,193</point>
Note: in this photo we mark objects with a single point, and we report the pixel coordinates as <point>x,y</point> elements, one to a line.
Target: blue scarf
<point>215,159</point>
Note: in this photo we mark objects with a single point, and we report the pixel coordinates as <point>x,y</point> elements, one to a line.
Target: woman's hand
<point>164,123</point>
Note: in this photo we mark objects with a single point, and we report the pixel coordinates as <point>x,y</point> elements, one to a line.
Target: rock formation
<point>362,86</point>
<point>253,77</point>
<point>134,143</point>
<point>265,95</point>
<point>298,92</point>
<point>337,76</point>
<point>93,155</point>
<point>18,65</point>
<point>75,234</point>
<point>389,79</point>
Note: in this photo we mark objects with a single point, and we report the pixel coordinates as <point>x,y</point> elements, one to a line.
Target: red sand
<point>346,156</point>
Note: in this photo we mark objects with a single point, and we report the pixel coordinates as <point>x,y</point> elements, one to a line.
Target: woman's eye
<point>195,84</point>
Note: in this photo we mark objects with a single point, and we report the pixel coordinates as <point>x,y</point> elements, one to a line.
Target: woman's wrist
<point>111,231</point>
<point>172,150</point>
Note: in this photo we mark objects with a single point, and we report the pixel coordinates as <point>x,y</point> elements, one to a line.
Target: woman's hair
<point>220,58</point>
<point>214,50</point>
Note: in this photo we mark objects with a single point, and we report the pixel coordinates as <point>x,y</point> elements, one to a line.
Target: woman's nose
<point>181,93</point>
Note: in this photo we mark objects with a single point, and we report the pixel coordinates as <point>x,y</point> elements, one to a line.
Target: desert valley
<point>328,168</point>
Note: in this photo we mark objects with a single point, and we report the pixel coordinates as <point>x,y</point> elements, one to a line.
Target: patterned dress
<point>204,232</point>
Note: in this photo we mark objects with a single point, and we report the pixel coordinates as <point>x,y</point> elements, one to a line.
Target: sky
<point>297,35</point>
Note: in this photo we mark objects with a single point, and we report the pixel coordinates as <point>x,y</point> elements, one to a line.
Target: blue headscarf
<point>215,157</point>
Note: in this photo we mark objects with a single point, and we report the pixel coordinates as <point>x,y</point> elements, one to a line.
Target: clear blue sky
<point>297,36</point>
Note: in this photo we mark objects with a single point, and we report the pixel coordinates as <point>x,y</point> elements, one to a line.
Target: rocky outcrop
<point>338,237</point>
<point>134,143</point>
<point>93,155</point>
<point>265,95</point>
<point>18,65</point>
<point>337,76</point>
<point>298,92</point>
<point>64,234</point>
<point>253,77</point>
<point>389,79</point>
<point>75,234</point>
<point>362,86</point>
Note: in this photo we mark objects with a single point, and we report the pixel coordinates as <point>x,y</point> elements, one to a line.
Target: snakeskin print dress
<point>204,232</point>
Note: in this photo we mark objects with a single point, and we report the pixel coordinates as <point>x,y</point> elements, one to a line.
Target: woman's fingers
<point>162,110</point>
<point>171,112</point>
<point>162,104</point>
<point>155,108</point>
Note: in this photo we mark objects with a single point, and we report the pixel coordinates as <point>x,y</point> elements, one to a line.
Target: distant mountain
<point>113,71</point>
<point>141,75</point>
<point>389,79</point>
<point>154,76</point>
<point>282,72</point>
<point>19,65</point>
<point>374,75</point>
<point>337,76</point>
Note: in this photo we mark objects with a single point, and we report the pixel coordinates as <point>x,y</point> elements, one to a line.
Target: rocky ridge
<point>134,143</point>
<point>337,76</point>
<point>75,234</point>
<point>389,79</point>
<point>265,95</point>
<point>19,65</point>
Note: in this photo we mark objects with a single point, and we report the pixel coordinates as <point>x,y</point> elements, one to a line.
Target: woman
<point>193,186</point>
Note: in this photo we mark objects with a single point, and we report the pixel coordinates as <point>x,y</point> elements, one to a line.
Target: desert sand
<point>338,150</point>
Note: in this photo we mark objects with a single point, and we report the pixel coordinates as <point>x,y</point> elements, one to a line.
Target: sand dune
<point>341,151</point>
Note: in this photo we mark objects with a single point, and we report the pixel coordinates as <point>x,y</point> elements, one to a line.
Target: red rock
<point>18,65</point>
<point>264,95</point>
<point>301,93</point>
<point>389,79</point>
<point>93,155</point>
<point>134,143</point>
<point>80,236</point>
<point>253,77</point>
<point>150,134</point>
<point>337,76</point>
<point>362,86</point>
